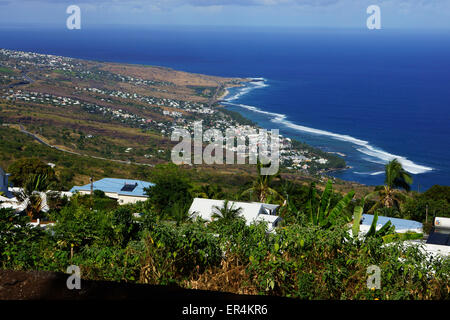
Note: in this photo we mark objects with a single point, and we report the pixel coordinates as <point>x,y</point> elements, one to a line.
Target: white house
<point>125,191</point>
<point>251,211</point>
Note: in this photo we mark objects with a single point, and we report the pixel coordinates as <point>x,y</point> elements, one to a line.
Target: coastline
<point>364,156</point>
<point>226,93</point>
<point>225,86</point>
<point>296,145</point>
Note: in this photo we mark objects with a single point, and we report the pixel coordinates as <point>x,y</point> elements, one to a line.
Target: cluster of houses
<point>133,191</point>
<point>176,113</point>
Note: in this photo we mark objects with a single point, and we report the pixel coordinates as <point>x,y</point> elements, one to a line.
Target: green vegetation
<point>261,188</point>
<point>395,177</point>
<point>171,187</point>
<point>22,169</point>
<point>311,256</point>
<point>31,194</point>
<point>207,92</point>
<point>228,213</point>
<point>7,71</point>
<point>320,213</point>
<point>19,153</point>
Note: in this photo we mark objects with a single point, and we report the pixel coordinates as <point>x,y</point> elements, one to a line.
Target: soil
<point>44,285</point>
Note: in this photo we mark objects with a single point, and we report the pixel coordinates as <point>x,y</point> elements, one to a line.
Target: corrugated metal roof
<point>401,225</point>
<point>113,185</point>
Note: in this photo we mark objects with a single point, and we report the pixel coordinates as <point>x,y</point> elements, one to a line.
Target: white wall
<point>121,199</point>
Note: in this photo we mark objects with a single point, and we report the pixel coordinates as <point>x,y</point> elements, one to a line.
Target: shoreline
<point>221,102</point>
<point>362,146</point>
<point>221,98</point>
<point>242,82</point>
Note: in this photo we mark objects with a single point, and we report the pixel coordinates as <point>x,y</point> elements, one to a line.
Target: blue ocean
<point>371,95</point>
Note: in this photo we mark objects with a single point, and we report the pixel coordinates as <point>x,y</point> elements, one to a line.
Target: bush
<point>22,169</point>
<point>299,260</point>
<point>171,186</point>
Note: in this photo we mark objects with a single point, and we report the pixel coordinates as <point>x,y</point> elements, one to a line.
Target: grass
<point>7,70</point>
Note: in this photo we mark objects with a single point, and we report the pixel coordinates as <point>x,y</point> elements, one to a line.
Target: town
<point>150,113</point>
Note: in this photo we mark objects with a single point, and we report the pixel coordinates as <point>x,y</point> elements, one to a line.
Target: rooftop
<point>134,188</point>
<point>251,211</point>
<point>401,225</point>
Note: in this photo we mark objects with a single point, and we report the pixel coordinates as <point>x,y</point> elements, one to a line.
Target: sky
<point>404,14</point>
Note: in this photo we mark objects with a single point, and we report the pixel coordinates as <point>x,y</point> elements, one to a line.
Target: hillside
<point>122,112</point>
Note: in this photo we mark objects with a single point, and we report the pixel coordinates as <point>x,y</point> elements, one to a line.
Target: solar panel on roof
<point>439,236</point>
<point>129,187</point>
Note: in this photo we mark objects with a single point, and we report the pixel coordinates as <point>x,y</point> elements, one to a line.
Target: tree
<point>209,192</point>
<point>79,226</point>
<point>438,192</point>
<point>180,213</point>
<point>171,186</point>
<point>18,239</point>
<point>227,213</point>
<point>33,195</point>
<point>386,233</point>
<point>21,169</point>
<point>261,187</point>
<point>395,178</point>
<point>123,224</point>
<point>319,210</point>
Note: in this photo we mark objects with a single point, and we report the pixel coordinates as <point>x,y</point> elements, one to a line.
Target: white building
<point>251,211</point>
<point>125,191</point>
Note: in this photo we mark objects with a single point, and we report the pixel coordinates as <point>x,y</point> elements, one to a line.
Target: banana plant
<point>357,214</point>
<point>386,232</point>
<point>386,229</point>
<point>320,211</point>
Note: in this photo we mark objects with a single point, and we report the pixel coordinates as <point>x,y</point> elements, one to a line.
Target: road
<point>28,80</point>
<point>22,129</point>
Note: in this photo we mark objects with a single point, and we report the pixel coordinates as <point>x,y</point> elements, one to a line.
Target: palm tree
<point>395,178</point>
<point>208,192</point>
<point>32,196</point>
<point>261,186</point>
<point>227,213</point>
<point>180,212</point>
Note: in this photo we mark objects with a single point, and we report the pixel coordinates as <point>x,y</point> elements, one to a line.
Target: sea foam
<point>378,155</point>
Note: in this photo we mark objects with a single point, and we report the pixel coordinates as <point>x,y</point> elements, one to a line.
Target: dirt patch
<point>43,285</point>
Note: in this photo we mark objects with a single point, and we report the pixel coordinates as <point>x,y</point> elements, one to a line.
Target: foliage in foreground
<point>300,260</point>
<point>313,255</point>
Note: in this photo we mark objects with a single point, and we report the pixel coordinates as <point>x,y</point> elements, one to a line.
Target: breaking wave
<point>375,154</point>
<point>369,173</point>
